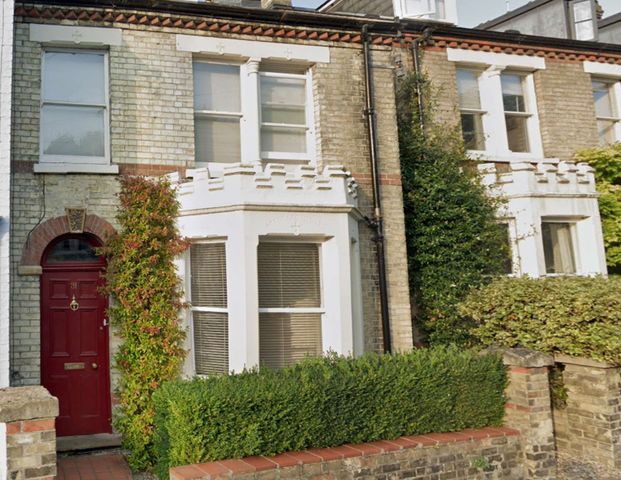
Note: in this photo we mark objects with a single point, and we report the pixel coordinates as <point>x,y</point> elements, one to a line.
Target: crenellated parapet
<point>266,185</point>
<point>545,178</point>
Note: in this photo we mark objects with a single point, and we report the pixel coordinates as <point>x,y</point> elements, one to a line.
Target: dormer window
<point>442,10</point>
<point>583,16</point>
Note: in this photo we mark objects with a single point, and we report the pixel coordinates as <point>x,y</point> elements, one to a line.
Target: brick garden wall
<point>488,453</point>
<point>27,415</point>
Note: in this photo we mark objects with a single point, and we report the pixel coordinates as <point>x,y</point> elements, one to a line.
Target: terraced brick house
<point>278,126</point>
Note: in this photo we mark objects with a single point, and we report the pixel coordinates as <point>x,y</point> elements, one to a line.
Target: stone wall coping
<point>523,357</point>
<point>26,403</point>
<point>234,467</point>
<point>582,361</point>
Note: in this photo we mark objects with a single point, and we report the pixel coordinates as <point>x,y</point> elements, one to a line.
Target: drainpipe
<point>418,71</point>
<point>377,223</point>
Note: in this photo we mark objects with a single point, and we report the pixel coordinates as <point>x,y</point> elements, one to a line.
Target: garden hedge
<point>577,316</point>
<point>326,402</point>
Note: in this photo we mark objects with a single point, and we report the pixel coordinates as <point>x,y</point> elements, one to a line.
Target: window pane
<point>74,77</point>
<point>287,114</point>
<point>517,133</point>
<point>283,91</point>
<point>282,139</point>
<point>468,89</point>
<point>602,99</point>
<point>285,339</point>
<point>72,131</point>
<point>512,93</point>
<point>585,30</point>
<point>72,250</point>
<point>508,263</point>
<point>472,129</point>
<point>419,7</point>
<point>289,275</point>
<point>208,273</point>
<point>216,87</point>
<point>558,248</point>
<point>211,342</point>
<point>582,11</point>
<point>217,139</point>
<point>606,130</point>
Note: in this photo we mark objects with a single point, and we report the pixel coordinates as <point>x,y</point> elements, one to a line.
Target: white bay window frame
<point>492,66</point>
<point>105,106</point>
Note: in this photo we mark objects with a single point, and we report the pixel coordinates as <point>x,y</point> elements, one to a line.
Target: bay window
<point>74,107</point>
<point>209,308</point>
<point>290,303</point>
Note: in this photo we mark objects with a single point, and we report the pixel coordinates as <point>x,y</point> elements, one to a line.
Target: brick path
<point>93,467</point>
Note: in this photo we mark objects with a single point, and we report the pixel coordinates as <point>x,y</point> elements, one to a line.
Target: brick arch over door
<point>43,234</point>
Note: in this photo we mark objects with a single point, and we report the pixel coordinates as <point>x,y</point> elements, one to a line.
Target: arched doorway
<point>74,335</point>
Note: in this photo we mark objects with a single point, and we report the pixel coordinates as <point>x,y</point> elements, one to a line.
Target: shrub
<point>141,277</point>
<point>575,316</point>
<point>607,164</point>
<point>326,402</point>
<point>453,239</point>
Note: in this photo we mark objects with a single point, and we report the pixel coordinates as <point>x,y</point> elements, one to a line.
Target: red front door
<point>74,337</point>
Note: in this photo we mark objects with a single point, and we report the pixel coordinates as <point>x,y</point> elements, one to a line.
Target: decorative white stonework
<point>553,191</point>
<point>249,204</point>
<point>273,185</point>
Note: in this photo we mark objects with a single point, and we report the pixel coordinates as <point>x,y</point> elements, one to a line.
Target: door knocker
<point>74,305</point>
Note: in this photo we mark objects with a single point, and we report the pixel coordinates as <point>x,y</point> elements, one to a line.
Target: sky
<point>473,12</point>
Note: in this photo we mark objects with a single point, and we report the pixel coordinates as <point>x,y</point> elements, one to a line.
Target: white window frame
<point>614,90</point>
<point>516,263</point>
<point>309,127</point>
<point>573,233</point>
<point>612,74</point>
<point>192,308</point>
<point>474,111</point>
<point>575,22</point>
<point>77,159</point>
<point>492,66</point>
<point>527,106</point>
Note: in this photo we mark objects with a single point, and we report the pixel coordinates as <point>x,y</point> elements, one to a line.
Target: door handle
<point>95,366</point>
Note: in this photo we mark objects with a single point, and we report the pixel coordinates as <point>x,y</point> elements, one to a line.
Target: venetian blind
<point>208,274</point>
<point>288,279</point>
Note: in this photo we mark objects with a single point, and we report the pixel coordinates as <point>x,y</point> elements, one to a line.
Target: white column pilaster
<point>250,125</point>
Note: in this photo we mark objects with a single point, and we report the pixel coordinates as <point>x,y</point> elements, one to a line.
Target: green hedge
<point>576,316</point>
<point>326,402</point>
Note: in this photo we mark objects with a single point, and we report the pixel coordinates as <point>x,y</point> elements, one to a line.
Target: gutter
<point>377,223</point>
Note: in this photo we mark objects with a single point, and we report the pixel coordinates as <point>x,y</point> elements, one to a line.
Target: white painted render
<point>253,203</point>
<point>475,57</point>
<point>6,71</point>
<point>560,191</point>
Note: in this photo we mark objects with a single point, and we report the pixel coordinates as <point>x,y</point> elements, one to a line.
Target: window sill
<point>482,155</point>
<point>76,168</point>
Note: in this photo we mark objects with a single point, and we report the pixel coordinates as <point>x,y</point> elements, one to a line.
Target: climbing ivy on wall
<point>607,164</point>
<point>143,282</point>
<point>453,237</point>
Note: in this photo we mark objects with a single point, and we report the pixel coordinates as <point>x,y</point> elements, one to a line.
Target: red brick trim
<point>47,231</point>
<point>25,426</point>
<point>367,179</point>
<point>248,465</point>
<point>20,166</point>
<point>204,23</point>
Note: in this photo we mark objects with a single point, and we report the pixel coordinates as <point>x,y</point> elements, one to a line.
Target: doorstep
<point>87,442</point>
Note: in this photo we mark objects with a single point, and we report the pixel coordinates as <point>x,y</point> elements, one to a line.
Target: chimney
<point>599,10</point>
<point>272,4</point>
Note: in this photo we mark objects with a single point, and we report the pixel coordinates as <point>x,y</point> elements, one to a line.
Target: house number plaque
<point>74,305</point>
